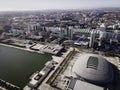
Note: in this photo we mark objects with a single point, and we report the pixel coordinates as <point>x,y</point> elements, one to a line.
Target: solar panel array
<point>87,31</point>
<point>92,62</point>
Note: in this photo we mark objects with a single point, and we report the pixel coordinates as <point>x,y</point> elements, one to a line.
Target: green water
<point>16,66</point>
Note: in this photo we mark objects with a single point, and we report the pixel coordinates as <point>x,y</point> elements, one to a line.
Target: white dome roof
<point>93,68</point>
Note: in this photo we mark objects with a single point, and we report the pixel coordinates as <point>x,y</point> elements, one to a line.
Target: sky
<point>13,5</point>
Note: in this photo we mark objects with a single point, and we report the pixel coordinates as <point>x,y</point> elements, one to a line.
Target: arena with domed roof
<point>93,68</point>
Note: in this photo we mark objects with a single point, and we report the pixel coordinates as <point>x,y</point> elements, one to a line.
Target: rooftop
<point>52,49</point>
<point>80,85</point>
<point>93,68</point>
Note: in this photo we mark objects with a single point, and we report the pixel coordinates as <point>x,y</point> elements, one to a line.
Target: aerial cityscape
<point>60,45</point>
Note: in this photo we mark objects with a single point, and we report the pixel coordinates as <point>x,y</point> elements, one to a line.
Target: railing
<point>8,85</point>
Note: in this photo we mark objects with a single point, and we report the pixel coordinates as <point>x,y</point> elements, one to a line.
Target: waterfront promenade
<point>26,49</point>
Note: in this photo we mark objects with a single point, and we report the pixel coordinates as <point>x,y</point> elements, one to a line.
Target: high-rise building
<point>33,26</point>
<point>61,32</point>
<point>102,36</point>
<point>70,32</point>
<point>92,39</point>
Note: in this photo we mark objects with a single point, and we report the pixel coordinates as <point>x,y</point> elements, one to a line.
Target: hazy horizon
<point>21,5</point>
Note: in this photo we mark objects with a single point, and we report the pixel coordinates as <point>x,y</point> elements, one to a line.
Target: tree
<point>1,29</point>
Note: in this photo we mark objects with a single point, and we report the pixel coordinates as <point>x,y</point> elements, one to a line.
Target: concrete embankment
<point>8,86</point>
<point>26,49</point>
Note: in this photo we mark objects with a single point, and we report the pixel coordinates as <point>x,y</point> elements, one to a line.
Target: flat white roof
<point>51,48</point>
<point>80,85</point>
<point>38,46</point>
<point>33,82</point>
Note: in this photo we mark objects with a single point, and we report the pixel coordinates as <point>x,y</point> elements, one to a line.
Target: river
<point>16,66</point>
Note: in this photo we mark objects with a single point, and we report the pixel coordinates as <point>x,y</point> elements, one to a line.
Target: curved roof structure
<point>93,68</point>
